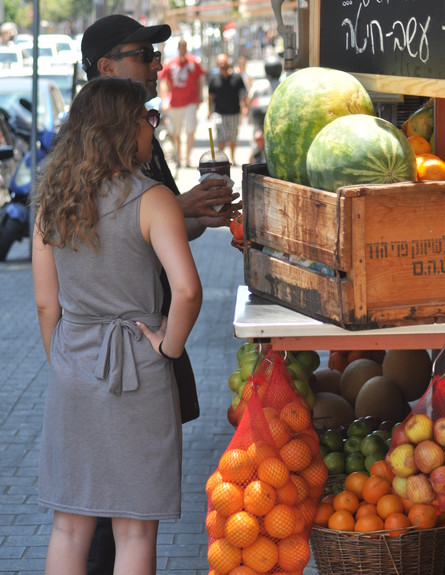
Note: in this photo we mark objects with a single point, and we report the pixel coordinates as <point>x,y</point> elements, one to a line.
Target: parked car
<point>55,49</point>
<point>68,77</point>
<point>14,57</point>
<point>50,103</point>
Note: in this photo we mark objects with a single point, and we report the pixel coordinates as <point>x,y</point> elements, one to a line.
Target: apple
<point>248,365</point>
<point>441,502</point>
<point>310,360</point>
<point>235,380</point>
<point>419,489</point>
<point>372,443</point>
<point>437,478</point>
<point>439,431</point>
<point>401,460</point>
<point>235,401</point>
<point>419,427</point>
<point>297,371</point>
<point>428,455</point>
<point>231,416</point>
<point>359,427</point>
<point>247,347</point>
<point>398,435</point>
<point>352,444</point>
<point>399,486</point>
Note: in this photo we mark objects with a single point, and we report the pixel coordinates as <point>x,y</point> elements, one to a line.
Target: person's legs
<point>190,128</point>
<point>69,544</point>
<point>232,123</point>
<point>135,546</point>
<point>177,119</point>
<point>102,550</point>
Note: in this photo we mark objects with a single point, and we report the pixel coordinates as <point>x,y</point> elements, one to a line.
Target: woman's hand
<point>154,337</point>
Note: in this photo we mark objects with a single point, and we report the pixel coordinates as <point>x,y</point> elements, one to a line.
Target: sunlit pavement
<point>24,526</point>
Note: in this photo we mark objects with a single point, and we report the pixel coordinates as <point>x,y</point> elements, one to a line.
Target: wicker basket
<point>334,484</point>
<point>416,552</point>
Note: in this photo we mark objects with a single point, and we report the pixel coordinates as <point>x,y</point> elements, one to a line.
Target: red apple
<point>437,478</point>
<point>399,436</point>
<point>441,502</point>
<point>419,427</point>
<point>439,431</point>
<point>419,489</point>
<point>428,455</point>
<point>401,460</point>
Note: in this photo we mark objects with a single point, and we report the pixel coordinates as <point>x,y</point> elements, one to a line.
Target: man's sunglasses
<point>153,117</point>
<point>147,55</point>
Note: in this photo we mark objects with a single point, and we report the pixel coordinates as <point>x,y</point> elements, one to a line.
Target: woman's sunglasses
<point>153,118</point>
<point>147,55</point>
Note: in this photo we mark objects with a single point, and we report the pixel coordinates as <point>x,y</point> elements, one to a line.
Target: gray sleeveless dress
<point>111,440</point>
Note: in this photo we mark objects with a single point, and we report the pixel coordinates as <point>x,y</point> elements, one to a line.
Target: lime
<point>335,462</point>
<point>359,427</point>
<point>332,439</point>
<point>372,458</point>
<point>355,462</point>
<point>371,444</point>
<point>352,444</point>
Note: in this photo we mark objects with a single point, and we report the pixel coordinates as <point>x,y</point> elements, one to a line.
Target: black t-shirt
<point>227,92</point>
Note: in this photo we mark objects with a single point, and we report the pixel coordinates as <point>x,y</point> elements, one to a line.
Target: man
<point>118,45</point>
<point>227,94</point>
<point>181,90</point>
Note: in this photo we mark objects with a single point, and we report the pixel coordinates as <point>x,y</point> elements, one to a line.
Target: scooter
<point>15,213</point>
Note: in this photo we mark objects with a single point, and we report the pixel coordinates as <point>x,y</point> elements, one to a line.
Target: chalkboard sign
<point>389,37</point>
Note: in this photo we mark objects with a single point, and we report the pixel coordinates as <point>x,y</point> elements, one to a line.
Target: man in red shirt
<point>181,88</point>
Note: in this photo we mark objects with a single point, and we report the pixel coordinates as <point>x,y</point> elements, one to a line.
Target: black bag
<point>188,395</point>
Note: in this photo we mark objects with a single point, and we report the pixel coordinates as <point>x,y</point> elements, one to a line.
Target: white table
<point>257,318</point>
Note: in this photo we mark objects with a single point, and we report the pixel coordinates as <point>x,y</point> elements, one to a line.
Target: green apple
<point>335,462</point>
<point>371,444</point>
<point>332,439</point>
<point>355,462</point>
<point>310,360</point>
<point>235,380</point>
<point>297,371</point>
<point>247,368</point>
<point>235,401</point>
<point>372,458</point>
<point>352,444</point>
<point>382,433</point>
<point>359,427</point>
<point>246,348</point>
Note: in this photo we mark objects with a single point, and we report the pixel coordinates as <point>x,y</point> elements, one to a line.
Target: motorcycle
<point>257,113</point>
<point>15,213</point>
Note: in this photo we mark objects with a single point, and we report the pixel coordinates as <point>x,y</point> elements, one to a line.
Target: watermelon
<point>359,149</point>
<point>300,107</point>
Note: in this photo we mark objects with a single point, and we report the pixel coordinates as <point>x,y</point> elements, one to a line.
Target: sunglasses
<point>147,55</point>
<point>153,118</point>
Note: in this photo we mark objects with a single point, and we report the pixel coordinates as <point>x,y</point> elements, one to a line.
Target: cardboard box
<point>364,257</point>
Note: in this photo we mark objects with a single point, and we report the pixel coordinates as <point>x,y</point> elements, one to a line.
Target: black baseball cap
<point>110,31</point>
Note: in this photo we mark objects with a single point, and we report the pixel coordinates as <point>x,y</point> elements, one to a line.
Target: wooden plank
<point>358,275</point>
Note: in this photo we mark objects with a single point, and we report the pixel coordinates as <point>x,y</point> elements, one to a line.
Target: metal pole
<point>33,144</point>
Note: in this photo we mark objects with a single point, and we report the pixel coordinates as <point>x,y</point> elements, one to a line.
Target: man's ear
<point>105,66</point>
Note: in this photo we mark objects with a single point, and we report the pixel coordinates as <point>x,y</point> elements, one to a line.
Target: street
<point>24,526</point>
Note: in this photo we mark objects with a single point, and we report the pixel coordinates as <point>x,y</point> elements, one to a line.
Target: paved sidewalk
<point>24,526</point>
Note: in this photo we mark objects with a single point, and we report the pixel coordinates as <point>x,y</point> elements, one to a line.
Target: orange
<point>337,360</point>
<point>236,466</point>
<point>397,521</point>
<point>316,474</point>
<point>297,416</point>
<point>261,450</point>
<point>243,570</point>
<point>262,555</point>
<point>294,553</point>
<point>215,523</point>
<point>369,523</point>
<point>270,413</point>
<point>296,454</point>
<point>375,487</point>
<point>388,504</point>
<point>430,167</point>
<point>357,354</point>
<point>301,487</point>
<point>419,144</point>
<point>227,498</point>
<point>287,494</point>
<point>324,511</point>
<point>346,500</point>
<point>240,409</point>
<point>241,529</point>
<point>407,504</point>
<point>312,440</point>
<point>280,431</point>
<point>381,468</point>
<point>259,498</point>
<point>365,509</point>
<point>423,516</point>
<point>273,471</point>
<point>341,520</point>
<point>279,522</point>
<point>307,511</point>
<point>329,498</point>
<point>223,557</point>
<point>249,388</point>
<point>354,482</point>
<point>214,480</point>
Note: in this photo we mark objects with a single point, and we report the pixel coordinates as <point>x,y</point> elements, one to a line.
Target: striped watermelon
<point>301,105</point>
<point>359,149</point>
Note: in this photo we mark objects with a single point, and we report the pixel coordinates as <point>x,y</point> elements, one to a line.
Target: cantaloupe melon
<point>382,398</point>
<point>355,375</point>
<point>410,369</point>
<point>331,410</point>
<point>326,379</point>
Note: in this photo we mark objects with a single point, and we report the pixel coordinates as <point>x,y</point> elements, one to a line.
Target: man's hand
<point>200,200</point>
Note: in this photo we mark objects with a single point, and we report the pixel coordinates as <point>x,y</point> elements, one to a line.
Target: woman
<point>103,232</point>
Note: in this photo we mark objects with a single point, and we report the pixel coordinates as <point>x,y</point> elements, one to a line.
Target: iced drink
<point>220,165</point>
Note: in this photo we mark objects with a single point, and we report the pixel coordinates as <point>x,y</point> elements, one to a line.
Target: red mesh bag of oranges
<point>417,452</point>
<point>261,506</point>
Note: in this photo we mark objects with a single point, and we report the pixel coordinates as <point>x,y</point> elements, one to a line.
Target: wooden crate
<point>383,247</point>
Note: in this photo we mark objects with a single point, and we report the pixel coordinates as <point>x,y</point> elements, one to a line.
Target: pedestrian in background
<point>181,92</point>
<point>227,94</point>
<point>111,439</point>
